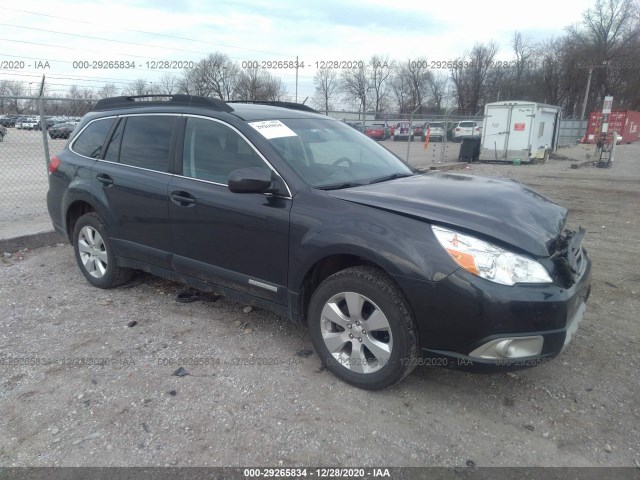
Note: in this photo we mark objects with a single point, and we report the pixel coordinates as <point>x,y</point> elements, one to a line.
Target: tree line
<point>554,71</point>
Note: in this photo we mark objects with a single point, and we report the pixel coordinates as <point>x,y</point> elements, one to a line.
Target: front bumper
<point>462,314</point>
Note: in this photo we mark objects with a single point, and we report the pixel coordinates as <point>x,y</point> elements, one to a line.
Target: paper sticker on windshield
<point>273,129</point>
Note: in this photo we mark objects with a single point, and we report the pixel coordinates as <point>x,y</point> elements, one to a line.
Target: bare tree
<point>438,84</point>
<point>605,41</point>
<point>214,76</point>
<point>258,85</point>
<point>139,87</point>
<point>274,88</point>
<point>327,85</point>
<point>4,90</point>
<point>108,90</point>
<point>469,75</point>
<point>82,100</point>
<point>416,78</point>
<point>16,89</point>
<point>167,84</point>
<point>355,85</point>
<point>379,81</point>
<point>400,89</point>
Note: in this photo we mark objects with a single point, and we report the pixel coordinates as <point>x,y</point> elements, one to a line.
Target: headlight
<point>489,261</point>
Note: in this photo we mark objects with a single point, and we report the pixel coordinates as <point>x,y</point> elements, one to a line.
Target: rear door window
<point>146,142</point>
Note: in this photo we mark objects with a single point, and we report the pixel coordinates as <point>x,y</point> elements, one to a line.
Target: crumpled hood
<point>502,209</point>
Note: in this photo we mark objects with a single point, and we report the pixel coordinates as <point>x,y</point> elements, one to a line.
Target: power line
<point>50,45</point>
<point>103,39</point>
<point>174,37</point>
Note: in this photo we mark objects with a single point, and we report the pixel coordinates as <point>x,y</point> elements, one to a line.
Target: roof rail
<point>290,105</point>
<point>147,100</point>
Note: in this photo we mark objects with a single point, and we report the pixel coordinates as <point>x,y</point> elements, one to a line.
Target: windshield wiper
<point>393,176</point>
<point>338,186</point>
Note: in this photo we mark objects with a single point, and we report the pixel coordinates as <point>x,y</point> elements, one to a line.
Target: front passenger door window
<point>212,151</point>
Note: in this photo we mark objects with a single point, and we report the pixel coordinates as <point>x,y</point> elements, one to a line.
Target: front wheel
<point>362,329</point>
<point>94,253</point>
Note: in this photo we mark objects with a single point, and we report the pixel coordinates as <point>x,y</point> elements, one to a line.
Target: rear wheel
<point>94,253</point>
<point>362,329</point>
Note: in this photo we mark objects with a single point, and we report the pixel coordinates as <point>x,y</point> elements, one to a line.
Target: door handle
<point>105,179</point>
<point>183,199</point>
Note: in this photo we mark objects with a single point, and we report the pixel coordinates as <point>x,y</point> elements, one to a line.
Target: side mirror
<point>251,180</point>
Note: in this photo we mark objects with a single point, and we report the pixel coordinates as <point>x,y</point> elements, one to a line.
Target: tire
<point>382,356</point>
<point>94,253</point>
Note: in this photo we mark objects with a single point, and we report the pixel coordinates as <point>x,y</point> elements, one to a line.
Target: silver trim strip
<point>266,286</point>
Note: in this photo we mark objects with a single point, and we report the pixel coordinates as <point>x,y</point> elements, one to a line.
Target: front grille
<point>569,256</point>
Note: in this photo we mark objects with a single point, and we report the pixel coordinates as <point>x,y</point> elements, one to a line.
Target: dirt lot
<point>264,400</point>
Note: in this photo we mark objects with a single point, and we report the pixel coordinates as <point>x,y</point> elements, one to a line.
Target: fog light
<point>511,347</point>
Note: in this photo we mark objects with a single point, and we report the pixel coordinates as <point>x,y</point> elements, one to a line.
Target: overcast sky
<point>247,30</point>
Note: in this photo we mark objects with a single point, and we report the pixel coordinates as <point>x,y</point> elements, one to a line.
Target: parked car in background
<point>376,131</point>
<point>61,130</point>
<point>49,122</point>
<point>3,132</point>
<point>385,126</point>
<point>19,120</point>
<point>418,129</point>
<point>402,131</point>
<point>465,129</point>
<point>436,131</point>
<point>8,121</point>
<point>27,123</point>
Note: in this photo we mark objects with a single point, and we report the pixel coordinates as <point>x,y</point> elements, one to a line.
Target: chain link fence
<point>33,130</point>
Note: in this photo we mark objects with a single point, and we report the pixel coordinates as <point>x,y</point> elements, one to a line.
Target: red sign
<point>518,127</point>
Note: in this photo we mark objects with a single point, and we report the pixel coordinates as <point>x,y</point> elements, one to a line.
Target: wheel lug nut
<point>363,332</point>
<point>350,336</point>
<point>359,339</point>
<point>349,325</point>
<point>358,323</point>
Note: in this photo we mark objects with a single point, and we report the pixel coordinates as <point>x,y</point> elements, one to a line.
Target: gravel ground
<point>263,398</point>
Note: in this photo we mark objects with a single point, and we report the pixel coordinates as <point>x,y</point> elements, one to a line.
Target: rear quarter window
<point>90,141</point>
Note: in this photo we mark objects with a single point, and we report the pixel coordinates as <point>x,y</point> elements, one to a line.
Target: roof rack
<point>147,100</point>
<point>290,105</point>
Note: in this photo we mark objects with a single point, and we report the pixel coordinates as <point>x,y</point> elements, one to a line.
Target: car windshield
<point>328,155</point>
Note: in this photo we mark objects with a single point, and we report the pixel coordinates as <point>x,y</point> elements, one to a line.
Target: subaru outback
<point>280,207</point>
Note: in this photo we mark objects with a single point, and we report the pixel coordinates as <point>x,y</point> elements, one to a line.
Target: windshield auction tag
<point>273,129</point>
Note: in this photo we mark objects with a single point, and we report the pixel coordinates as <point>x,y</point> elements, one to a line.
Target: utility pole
<point>586,93</point>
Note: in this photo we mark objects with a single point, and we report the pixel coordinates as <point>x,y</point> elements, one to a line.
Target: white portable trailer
<point>519,130</point>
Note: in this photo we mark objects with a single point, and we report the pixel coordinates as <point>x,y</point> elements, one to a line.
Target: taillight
<point>54,164</point>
